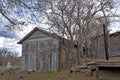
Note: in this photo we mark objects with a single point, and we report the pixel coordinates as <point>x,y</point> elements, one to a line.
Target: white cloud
<point>115,26</point>
<point>1,41</point>
<point>11,42</point>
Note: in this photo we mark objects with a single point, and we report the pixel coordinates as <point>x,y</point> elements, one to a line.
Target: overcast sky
<point>9,39</point>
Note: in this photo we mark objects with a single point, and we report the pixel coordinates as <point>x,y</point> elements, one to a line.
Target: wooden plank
<point>108,63</point>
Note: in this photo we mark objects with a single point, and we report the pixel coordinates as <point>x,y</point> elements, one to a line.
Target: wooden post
<point>105,41</point>
<point>97,72</point>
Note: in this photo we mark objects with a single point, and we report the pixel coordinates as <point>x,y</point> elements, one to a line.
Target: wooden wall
<point>115,43</point>
<point>97,46</point>
<point>40,52</point>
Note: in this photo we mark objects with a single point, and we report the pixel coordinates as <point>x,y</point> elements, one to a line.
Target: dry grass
<point>63,75</point>
<point>109,75</point>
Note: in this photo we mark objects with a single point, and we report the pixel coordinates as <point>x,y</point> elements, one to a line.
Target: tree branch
<point>12,22</point>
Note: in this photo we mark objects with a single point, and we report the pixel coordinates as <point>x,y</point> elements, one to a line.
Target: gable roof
<point>43,31</point>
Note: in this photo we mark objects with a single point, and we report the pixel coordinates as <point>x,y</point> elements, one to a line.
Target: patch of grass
<point>50,74</point>
<point>15,79</point>
<point>2,66</point>
<point>44,78</point>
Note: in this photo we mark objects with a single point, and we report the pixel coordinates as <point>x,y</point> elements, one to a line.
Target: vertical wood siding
<point>98,46</point>
<point>41,55</point>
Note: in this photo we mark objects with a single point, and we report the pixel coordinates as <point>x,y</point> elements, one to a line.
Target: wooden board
<point>108,63</point>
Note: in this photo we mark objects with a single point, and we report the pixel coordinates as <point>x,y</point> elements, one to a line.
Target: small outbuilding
<point>43,51</point>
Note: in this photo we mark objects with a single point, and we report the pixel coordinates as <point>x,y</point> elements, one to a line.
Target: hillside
<point>62,75</point>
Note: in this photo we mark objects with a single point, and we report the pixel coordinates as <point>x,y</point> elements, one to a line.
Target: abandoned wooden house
<point>97,45</point>
<point>43,51</point>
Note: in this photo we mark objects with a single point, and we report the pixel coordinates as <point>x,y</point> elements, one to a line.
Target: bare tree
<point>18,13</point>
<point>5,54</point>
<point>72,19</point>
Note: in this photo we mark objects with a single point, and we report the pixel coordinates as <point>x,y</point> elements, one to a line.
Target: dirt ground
<point>62,75</point>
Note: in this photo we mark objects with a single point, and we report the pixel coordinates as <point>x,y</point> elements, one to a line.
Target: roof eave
<point>25,37</point>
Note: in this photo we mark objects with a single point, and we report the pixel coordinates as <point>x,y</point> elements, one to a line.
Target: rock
<point>2,73</point>
<point>84,66</point>
<point>21,77</point>
<point>71,71</point>
<point>92,67</point>
<point>33,70</point>
<point>75,69</point>
<point>29,72</point>
<point>88,73</point>
<point>83,70</point>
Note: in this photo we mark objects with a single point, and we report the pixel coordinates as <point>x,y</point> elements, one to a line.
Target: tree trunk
<point>106,44</point>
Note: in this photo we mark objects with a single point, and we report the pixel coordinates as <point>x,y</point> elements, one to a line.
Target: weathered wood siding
<point>41,53</point>
<point>97,44</point>
<point>115,43</point>
<point>29,56</point>
<point>48,55</point>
